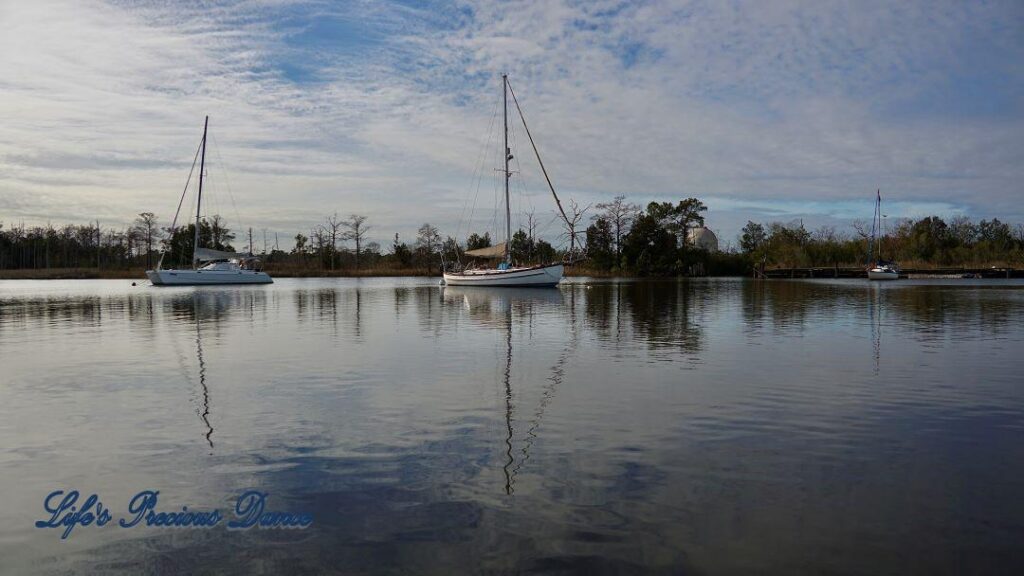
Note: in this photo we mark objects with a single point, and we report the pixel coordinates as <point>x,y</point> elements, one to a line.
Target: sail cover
<point>496,251</point>
<point>206,255</point>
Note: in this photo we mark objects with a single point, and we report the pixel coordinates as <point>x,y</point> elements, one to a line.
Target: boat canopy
<point>496,251</point>
<point>208,255</point>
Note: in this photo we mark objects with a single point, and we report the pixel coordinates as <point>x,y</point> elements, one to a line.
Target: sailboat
<point>208,266</point>
<point>507,273</point>
<point>879,269</point>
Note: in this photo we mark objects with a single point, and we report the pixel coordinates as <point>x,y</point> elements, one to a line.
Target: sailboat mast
<point>508,206</point>
<point>572,233</point>
<point>199,196</point>
<point>878,215</point>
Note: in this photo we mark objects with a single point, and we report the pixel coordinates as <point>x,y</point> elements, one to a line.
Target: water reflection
<point>547,395</point>
<point>205,414</point>
<point>494,308</point>
<point>664,314</point>
<point>875,309</point>
<point>606,427</point>
<point>508,401</point>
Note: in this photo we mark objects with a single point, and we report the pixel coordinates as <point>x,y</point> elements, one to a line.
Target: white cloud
<point>767,104</point>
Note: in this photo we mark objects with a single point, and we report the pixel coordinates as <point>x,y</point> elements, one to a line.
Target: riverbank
<point>1000,271</point>
<point>140,273</point>
<point>905,272</point>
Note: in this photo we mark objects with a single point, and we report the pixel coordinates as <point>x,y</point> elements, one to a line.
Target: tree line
<point>79,245</point>
<point>621,238</point>
<point>337,244</point>
<point>651,241</point>
<point>928,241</point>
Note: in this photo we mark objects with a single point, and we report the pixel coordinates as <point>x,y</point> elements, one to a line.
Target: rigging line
<point>525,197</point>
<point>539,161</point>
<point>213,186</point>
<point>181,252</point>
<point>187,182</point>
<point>524,193</point>
<point>475,184</point>
<point>498,198</point>
<point>497,216</point>
<point>478,174</point>
<point>518,180</point>
<point>227,182</point>
<point>478,167</point>
<point>482,165</point>
<point>174,223</point>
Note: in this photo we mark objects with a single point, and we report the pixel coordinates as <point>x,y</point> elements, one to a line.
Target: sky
<point>766,110</point>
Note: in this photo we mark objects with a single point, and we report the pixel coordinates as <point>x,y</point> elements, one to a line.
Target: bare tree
<point>319,238</point>
<point>861,228</point>
<point>428,240</point>
<point>620,214</point>
<point>574,215</point>
<point>428,237</point>
<point>531,233</point>
<point>300,247</point>
<point>963,229</point>
<point>218,232</point>
<point>331,230</point>
<point>356,230</point>
<point>824,234</point>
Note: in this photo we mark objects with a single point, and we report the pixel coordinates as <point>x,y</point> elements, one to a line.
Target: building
<point>702,237</point>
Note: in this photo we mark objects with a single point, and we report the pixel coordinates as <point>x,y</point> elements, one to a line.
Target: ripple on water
<point>664,426</point>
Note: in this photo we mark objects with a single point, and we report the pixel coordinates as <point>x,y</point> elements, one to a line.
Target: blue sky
<point>766,110</point>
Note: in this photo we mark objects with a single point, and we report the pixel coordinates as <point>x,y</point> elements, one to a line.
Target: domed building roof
<point>702,238</point>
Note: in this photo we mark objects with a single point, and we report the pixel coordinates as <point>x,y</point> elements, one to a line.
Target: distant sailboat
<point>879,269</point>
<point>507,273</point>
<point>208,266</point>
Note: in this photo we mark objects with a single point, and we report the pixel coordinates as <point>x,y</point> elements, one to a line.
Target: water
<point>702,427</point>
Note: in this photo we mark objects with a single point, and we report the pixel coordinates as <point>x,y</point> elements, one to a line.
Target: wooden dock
<point>860,272</point>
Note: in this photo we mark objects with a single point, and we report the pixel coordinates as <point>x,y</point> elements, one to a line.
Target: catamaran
<point>208,266</point>
<point>507,273</point>
<point>879,269</point>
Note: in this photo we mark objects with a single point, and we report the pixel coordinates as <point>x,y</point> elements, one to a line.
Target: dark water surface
<point>701,427</point>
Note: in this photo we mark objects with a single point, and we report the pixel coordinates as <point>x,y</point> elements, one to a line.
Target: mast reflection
<point>875,315</point>
<point>508,401</point>
<point>205,414</point>
<point>495,307</point>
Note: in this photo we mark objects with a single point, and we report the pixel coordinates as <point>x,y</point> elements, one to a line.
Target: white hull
<point>883,274</point>
<point>200,277</point>
<point>536,276</point>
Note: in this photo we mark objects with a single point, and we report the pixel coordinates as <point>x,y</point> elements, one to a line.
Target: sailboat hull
<point>534,276</point>
<point>205,277</point>
<point>883,274</point>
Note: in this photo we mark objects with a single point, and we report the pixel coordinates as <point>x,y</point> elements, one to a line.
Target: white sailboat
<point>208,266</point>
<point>507,273</point>
<point>883,272</point>
<point>879,269</point>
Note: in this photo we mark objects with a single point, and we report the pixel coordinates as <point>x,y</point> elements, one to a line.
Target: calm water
<point>703,427</point>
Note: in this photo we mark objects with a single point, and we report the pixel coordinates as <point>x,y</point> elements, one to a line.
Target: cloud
<point>383,108</point>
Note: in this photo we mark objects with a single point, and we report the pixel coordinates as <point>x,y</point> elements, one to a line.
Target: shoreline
<point>139,274</point>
